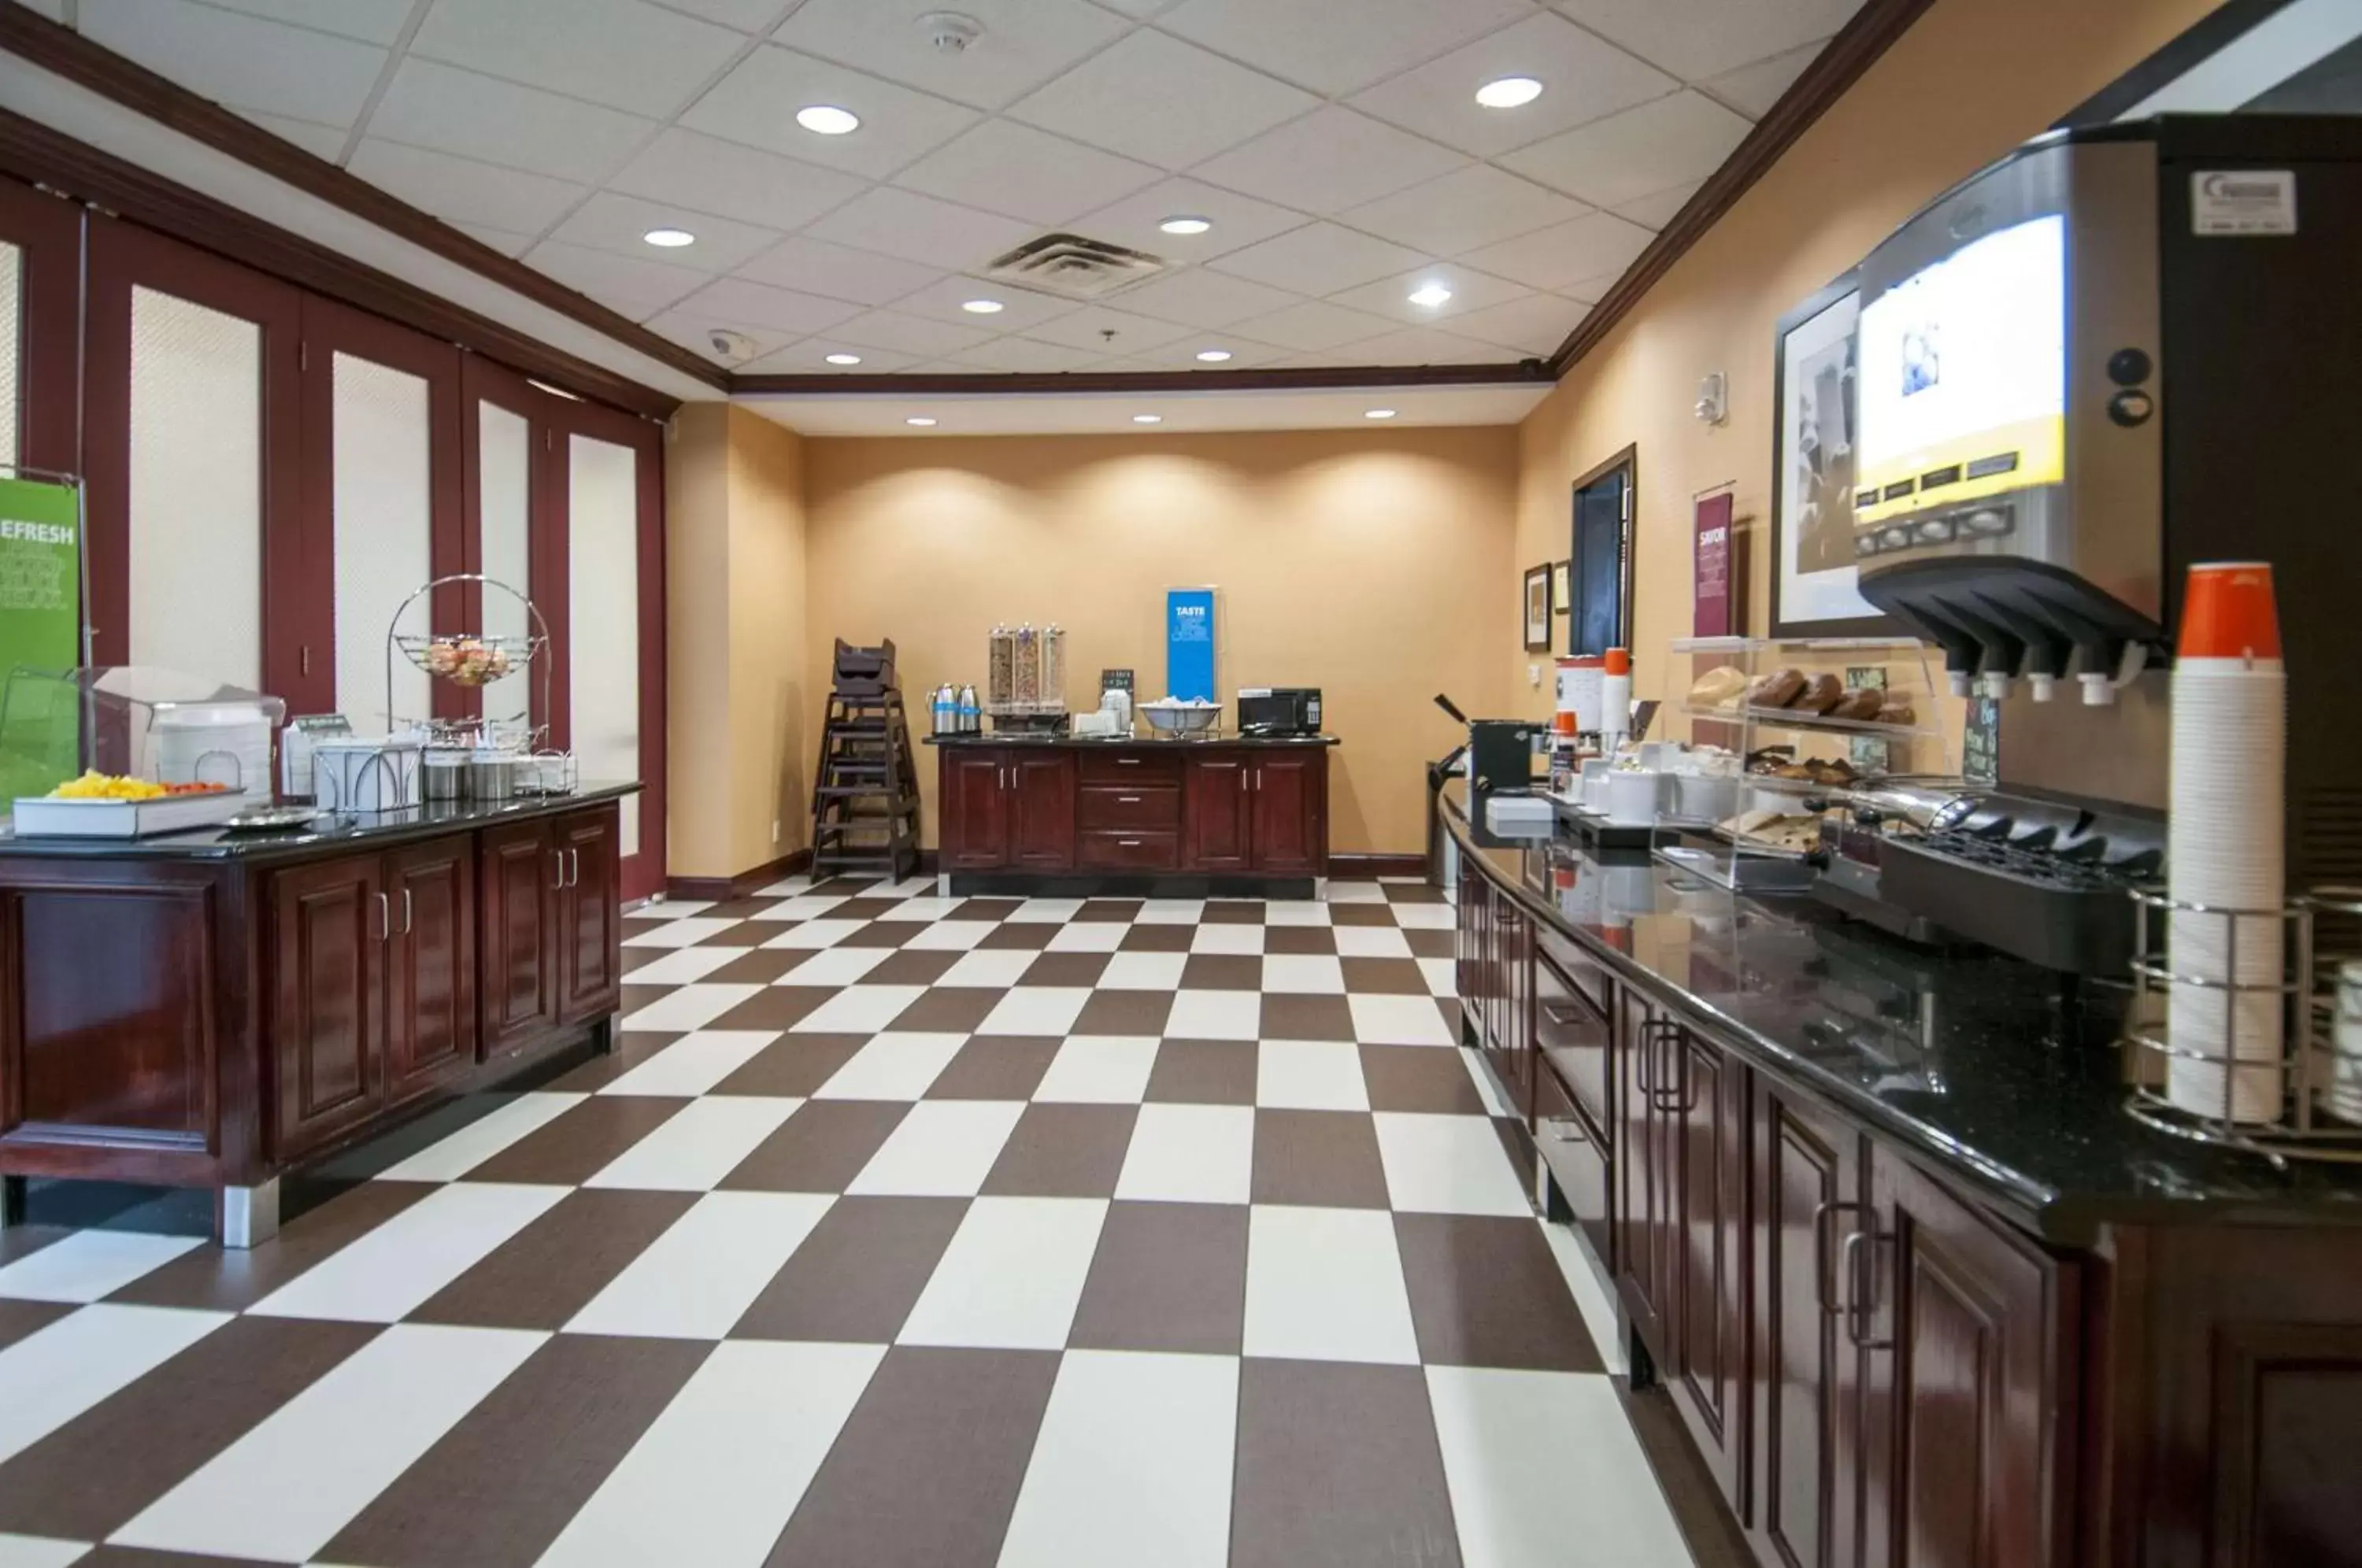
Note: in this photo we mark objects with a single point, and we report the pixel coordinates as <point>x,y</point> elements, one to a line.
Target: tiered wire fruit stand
<point>475,660</point>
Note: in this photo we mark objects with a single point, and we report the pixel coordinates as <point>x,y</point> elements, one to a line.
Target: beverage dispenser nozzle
<point>1993,683</point>
<point>2098,689</point>
<point>1957,679</point>
<point>2042,688</point>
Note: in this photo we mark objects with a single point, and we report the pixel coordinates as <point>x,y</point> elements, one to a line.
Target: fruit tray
<point>44,816</point>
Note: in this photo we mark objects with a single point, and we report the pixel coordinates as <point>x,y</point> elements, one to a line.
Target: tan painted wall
<point>1970,81</point>
<point>1368,565</point>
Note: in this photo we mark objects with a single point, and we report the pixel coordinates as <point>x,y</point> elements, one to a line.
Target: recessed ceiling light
<point>845,358</point>
<point>1379,414</point>
<point>1213,356</point>
<point>920,420</point>
<point>1185,225</point>
<point>1508,91</point>
<point>1148,419</point>
<point>982,307</point>
<point>827,119</point>
<point>669,238</point>
<point>1430,294</point>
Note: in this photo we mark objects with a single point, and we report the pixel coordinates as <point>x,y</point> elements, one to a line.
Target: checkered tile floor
<point>899,1230</point>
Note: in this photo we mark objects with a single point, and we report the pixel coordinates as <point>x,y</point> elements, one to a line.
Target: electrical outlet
<point>775,830</point>
<point>1534,676</point>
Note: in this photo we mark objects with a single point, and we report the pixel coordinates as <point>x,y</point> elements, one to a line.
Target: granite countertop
<point>1113,743</point>
<point>2001,1074</point>
<point>332,830</point>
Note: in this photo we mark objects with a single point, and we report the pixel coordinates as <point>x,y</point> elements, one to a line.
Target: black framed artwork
<point>1537,609</point>
<point>1814,585</point>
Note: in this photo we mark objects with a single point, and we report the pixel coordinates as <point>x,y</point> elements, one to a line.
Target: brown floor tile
<point>1484,1291</point>
<point>793,1065</point>
<point>1412,893</point>
<point>845,886</point>
<point>635,959</point>
<point>1383,977</point>
<point>1024,935</point>
<point>1203,1072</point>
<point>1067,969</point>
<point>1361,914</point>
<point>86,1480</point>
<point>926,1471</point>
<point>776,1007</point>
<point>757,966</point>
<point>1233,911</point>
<point>924,968</point>
<point>858,1273</point>
<point>1157,939</point>
<point>141,1557</point>
<point>1064,1151</point>
<point>632,1047</point>
<point>1338,1467</point>
<point>1289,1017</point>
<point>1222,972</point>
<point>1420,1078</point>
<point>638,997</point>
<point>1326,1159</point>
<point>18,1319</point>
<point>995,1066</point>
<point>23,1241</point>
<point>1167,1277</point>
<point>547,1272</point>
<point>986,909</point>
<point>949,1009</point>
<point>1427,943</point>
<point>862,908</point>
<point>881,933</point>
<point>1298,939</point>
<point>739,908</point>
<point>1124,1012</point>
<point>819,1148</point>
<point>1109,908</point>
<point>580,1143</point>
<point>226,1281</point>
<point>497,1488</point>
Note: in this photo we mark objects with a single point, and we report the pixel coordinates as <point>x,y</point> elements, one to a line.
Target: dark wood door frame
<point>47,233</point>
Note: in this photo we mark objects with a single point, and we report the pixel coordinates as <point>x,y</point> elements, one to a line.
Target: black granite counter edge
<point>1119,742</point>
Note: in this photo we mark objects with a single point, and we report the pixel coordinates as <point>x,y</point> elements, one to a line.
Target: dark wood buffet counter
<point>1876,1222</point>
<point>1183,818</point>
<point>203,1010</point>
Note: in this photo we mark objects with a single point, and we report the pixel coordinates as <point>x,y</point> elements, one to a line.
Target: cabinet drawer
<point>1112,807</point>
<point>1129,851</point>
<point>1130,768</point>
<point>1577,968</point>
<point>1571,1146</point>
<point>1574,1036</point>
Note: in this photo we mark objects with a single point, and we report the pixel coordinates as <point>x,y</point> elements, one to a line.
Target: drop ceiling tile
<point>1316,45</point>
<point>1153,97</point>
<point>1583,77</point>
<point>1695,40</point>
<point>810,358</point>
<point>626,54</point>
<point>612,221</point>
<point>507,241</point>
<point>921,228</point>
<point>1657,211</point>
<point>451,110</point>
<point>1471,291</point>
<point>756,16</point>
<point>1591,290</point>
<point>1329,160</point>
<point>1143,9</point>
<point>1315,327</point>
<point>1469,207</point>
<point>460,190</point>
<point>1320,258</point>
<point>816,267</point>
<point>370,21</point>
<point>1666,142</point>
<point>55,10</point>
<point>758,307</point>
<point>710,175</point>
<point>1552,257</point>
<point>907,333</point>
<point>1021,310</point>
<point>694,332</point>
<point>1022,173</point>
<point>321,141</point>
<point>756,104</point>
<point>1196,296</point>
<point>1238,220</point>
<point>1088,329</point>
<point>1181,354</point>
<point>239,60</point>
<point>1023,354</point>
<point>638,289</point>
<point>1536,324</point>
<point>1426,346</point>
<point>1753,89</point>
<point>1023,44</point>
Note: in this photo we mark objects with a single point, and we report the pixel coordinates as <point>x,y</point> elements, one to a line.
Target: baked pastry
<point>1860,702</point>
<point>1897,710</point>
<point>1820,694</point>
<point>1718,688</point>
<point>1776,690</point>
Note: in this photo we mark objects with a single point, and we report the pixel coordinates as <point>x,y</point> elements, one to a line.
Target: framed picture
<point>1537,609</point>
<point>1815,590</point>
<point>1562,595</point>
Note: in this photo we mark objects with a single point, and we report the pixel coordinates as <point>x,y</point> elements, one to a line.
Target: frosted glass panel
<point>378,456</point>
<point>195,568</point>
<point>12,348</point>
<point>604,612</point>
<point>505,509</point>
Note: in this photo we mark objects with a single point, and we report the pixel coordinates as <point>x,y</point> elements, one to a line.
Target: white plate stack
<point>2225,848</point>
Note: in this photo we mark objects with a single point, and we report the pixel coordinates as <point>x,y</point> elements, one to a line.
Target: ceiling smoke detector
<point>729,345</point>
<point>950,32</point>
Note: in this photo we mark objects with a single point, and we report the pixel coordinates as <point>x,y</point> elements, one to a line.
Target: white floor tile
<point>786,888</point>
<point>1239,939</point>
<point>836,967</point>
<point>907,887</point>
<point>693,1064</point>
<point>1133,1465</point>
<point>1101,1070</point>
<point>1214,1015</point>
<point>1488,1087</point>
<point>805,905</point>
<point>50,1377</point>
<point>1372,942</point>
<point>713,1479</point>
<point>998,967</point>
<point>1354,893</point>
<point>668,908</point>
<point>1309,1075</point>
<point>1055,911</point>
<point>701,1144</point>
<point>1525,1453</point>
<point>1171,911</point>
<point>1447,1164</point>
<point>857,1009</point>
<point>892,1066</point>
<point>683,933</point>
<point>40,1551</point>
<point>1295,912</point>
<point>89,1265</point>
<point>699,1277</point>
<point>282,1491</point>
<point>1398,1020</point>
<point>1143,972</point>
<point>1036,1009</point>
<point>814,933</point>
<point>390,1272</point>
<point>1303,973</point>
<point>690,1007</point>
<point>945,1148</point>
<point>1327,1284</point>
<point>1090,936</point>
<point>1189,1153</point>
<point>1443,976</point>
<point>478,1141</point>
<point>1011,1275</point>
<point>951,936</point>
<point>1425,917</point>
<point>926,907</point>
<point>683,966</point>
<point>1591,1296</point>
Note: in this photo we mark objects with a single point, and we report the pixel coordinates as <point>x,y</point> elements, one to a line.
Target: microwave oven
<point>1279,710</point>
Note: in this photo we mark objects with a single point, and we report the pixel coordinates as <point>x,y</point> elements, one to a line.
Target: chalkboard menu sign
<point>1981,743</point>
<point>1116,680</point>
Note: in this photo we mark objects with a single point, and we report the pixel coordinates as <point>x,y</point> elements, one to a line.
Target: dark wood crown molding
<point>1526,372</point>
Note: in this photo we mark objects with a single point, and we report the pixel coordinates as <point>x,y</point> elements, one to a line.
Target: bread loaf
<point>1776,690</point>
<point>1820,694</point>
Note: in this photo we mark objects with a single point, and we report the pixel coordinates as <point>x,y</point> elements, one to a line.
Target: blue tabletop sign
<point>1190,643</point>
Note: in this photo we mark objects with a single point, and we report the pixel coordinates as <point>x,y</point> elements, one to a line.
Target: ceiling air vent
<point>1074,267</point>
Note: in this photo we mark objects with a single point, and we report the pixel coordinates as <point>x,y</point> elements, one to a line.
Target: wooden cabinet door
<point>430,973</point>
<point>1970,1394</point>
<point>1512,1043</point>
<point>973,818</point>
<point>1808,1192</point>
<point>329,923</point>
<point>1218,816</point>
<point>1645,1274</point>
<point>517,877</point>
<point>590,915</point>
<point>1042,810</point>
<point>1704,1128</point>
<point>1287,790</point>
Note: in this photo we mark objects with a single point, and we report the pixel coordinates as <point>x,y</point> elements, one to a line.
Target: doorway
<point>1599,568</point>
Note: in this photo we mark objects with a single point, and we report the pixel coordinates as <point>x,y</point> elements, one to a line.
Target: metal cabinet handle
<point>557,859</point>
<point>574,867</point>
<point>1127,762</point>
<point>405,912</point>
<point>1856,1311</point>
<point>1128,842</point>
<point>1566,1129</point>
<point>1822,1214</point>
<point>1128,800</point>
<point>384,918</point>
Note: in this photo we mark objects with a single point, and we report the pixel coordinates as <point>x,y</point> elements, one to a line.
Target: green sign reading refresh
<point>40,628</point>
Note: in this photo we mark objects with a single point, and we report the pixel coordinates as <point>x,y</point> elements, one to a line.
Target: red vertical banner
<point>1716,563</point>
